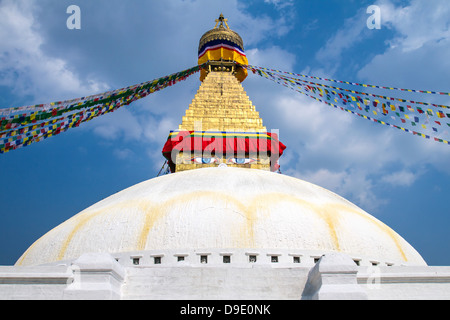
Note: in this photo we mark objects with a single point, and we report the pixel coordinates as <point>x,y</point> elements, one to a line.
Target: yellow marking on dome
<point>247,232</point>
<point>82,220</point>
<point>25,254</point>
<point>386,229</point>
<point>30,249</point>
<point>394,237</point>
<point>264,200</point>
<point>154,212</point>
<point>330,219</point>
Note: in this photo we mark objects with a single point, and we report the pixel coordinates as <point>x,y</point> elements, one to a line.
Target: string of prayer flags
<point>254,68</point>
<point>22,126</point>
<point>400,113</point>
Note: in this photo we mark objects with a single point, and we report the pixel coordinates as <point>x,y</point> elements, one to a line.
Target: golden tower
<point>221,125</point>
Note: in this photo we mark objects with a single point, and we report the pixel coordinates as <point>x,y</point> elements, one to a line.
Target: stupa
<point>225,224</point>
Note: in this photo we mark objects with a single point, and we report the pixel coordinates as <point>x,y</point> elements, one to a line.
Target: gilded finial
<point>222,48</point>
<point>221,20</point>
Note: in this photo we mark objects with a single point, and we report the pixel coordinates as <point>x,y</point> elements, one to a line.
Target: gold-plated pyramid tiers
<point>221,104</point>
<point>221,126</point>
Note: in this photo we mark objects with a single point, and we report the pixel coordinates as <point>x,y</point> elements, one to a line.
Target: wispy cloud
<point>350,35</point>
<point>412,23</point>
<point>402,178</point>
<point>417,52</point>
<point>280,4</point>
<point>25,68</point>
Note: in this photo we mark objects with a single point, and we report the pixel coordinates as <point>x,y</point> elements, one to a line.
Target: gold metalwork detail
<point>221,104</point>
<point>221,32</point>
<point>221,20</point>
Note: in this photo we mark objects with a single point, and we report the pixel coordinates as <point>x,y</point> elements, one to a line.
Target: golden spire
<point>222,20</point>
<point>221,47</point>
<point>221,125</point>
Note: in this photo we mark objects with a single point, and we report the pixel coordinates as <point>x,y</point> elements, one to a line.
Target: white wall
<point>100,276</point>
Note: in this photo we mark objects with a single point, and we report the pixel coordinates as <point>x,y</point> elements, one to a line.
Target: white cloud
<point>159,130</point>
<point>119,124</point>
<point>346,37</point>
<point>325,178</point>
<point>255,29</point>
<point>123,153</point>
<point>352,184</point>
<point>417,54</point>
<point>272,57</point>
<point>402,178</point>
<point>417,24</point>
<point>25,68</point>
<point>280,4</point>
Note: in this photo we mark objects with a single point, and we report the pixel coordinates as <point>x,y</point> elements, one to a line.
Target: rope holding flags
<point>348,82</point>
<point>22,126</point>
<point>399,113</point>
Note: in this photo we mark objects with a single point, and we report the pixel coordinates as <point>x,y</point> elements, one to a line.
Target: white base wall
<point>100,276</point>
<point>215,283</point>
<point>34,283</point>
<point>406,283</point>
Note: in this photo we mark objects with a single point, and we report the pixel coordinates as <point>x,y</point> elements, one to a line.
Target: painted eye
<point>204,160</point>
<point>241,160</point>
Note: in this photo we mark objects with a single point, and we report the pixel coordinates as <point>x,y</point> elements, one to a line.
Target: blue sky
<point>398,178</point>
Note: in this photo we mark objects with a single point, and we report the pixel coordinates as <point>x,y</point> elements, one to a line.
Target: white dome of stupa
<point>223,208</point>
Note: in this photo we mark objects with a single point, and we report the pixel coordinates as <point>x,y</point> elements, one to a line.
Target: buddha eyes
<point>205,160</point>
<point>215,160</point>
<point>241,160</point>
